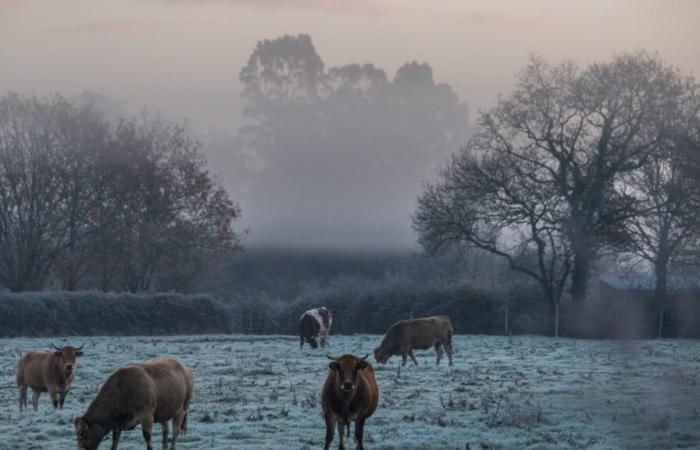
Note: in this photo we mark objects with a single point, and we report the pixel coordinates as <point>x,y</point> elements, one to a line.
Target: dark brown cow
<point>350,394</point>
<point>47,371</point>
<point>314,327</point>
<point>155,391</point>
<point>420,334</point>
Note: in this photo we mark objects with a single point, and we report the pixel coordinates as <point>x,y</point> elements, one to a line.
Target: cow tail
<point>183,426</point>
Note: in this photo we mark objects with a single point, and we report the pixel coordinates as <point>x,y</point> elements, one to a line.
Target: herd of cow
<point>160,390</point>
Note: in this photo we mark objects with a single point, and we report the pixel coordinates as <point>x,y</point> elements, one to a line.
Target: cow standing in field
<point>155,391</point>
<point>350,394</point>
<point>47,371</point>
<point>314,327</point>
<point>421,334</point>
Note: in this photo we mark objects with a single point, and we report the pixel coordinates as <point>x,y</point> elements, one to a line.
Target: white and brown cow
<point>51,372</point>
<point>315,326</point>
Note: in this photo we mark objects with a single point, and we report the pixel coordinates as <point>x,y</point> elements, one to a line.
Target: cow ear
<point>333,365</point>
<point>361,365</point>
<point>77,421</point>
<point>79,353</point>
<point>58,353</point>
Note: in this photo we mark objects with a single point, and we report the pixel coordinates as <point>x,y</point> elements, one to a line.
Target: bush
<point>90,313</point>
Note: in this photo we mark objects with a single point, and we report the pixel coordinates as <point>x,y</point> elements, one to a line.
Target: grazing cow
<point>47,371</point>
<point>350,394</point>
<point>155,391</point>
<point>421,334</point>
<point>314,327</point>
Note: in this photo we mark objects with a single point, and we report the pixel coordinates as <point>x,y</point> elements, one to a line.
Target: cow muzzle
<point>347,386</point>
<point>68,368</point>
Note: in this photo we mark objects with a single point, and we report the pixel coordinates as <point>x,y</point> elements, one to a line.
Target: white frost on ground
<point>524,392</point>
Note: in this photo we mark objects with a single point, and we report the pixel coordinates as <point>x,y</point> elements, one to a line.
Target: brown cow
<point>155,391</point>
<point>350,394</point>
<point>421,334</point>
<point>47,371</point>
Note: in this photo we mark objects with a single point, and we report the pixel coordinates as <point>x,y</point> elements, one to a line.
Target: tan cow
<point>155,391</point>
<point>350,394</point>
<point>421,334</point>
<point>47,371</point>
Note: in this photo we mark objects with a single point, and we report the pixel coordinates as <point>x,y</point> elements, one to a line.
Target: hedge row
<point>94,313</point>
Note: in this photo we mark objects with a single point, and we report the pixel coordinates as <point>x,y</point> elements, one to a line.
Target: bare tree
<point>494,202</point>
<point>83,198</point>
<point>165,203</point>
<point>46,149</point>
<point>666,230</point>
<point>585,129</point>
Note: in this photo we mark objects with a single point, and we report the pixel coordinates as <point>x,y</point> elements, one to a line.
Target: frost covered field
<point>261,392</point>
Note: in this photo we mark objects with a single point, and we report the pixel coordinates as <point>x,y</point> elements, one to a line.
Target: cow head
<point>89,434</point>
<point>381,356</point>
<point>68,357</point>
<point>346,369</point>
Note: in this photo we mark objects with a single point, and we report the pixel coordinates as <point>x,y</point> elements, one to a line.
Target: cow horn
<point>364,357</point>
<point>55,348</point>
<point>81,347</point>
<point>330,357</point>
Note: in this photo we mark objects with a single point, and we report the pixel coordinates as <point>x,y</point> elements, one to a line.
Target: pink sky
<point>182,57</point>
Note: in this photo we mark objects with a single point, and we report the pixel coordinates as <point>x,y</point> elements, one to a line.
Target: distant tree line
<point>92,203</point>
<point>574,163</point>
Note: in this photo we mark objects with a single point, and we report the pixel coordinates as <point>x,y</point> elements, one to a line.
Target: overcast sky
<point>183,57</point>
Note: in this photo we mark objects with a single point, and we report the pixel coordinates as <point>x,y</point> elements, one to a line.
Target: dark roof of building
<point>646,282</point>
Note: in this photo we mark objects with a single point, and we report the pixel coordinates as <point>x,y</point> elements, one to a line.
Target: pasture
<point>522,392</point>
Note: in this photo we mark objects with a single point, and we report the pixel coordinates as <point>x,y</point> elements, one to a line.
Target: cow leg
<point>22,396</point>
<point>62,397</point>
<point>413,357</point>
<point>341,432</point>
<point>146,429</point>
<point>54,397</point>
<point>116,434</point>
<point>330,431</point>
<point>438,350</point>
<point>177,425</point>
<point>448,348</point>
<point>359,429</point>
<point>35,399</point>
<point>164,429</point>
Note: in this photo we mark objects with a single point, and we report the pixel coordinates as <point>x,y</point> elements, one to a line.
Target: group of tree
<point>109,204</point>
<point>342,146</point>
<point>576,161</point>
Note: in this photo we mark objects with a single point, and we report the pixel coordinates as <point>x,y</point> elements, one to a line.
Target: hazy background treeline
<point>579,172</point>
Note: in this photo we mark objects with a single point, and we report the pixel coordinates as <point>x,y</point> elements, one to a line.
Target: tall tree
<point>666,230</point>
<point>586,129</point>
<point>46,152</point>
<point>365,138</point>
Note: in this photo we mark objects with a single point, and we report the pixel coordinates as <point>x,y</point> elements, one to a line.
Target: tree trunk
<point>580,273</point>
<point>661,288</point>
<point>507,331</point>
<point>556,320</point>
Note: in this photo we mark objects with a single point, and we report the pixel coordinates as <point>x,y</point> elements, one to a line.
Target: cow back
<point>173,386</point>
<point>39,369</point>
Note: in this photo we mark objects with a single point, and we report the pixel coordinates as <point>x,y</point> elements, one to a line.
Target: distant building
<point>626,306</point>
